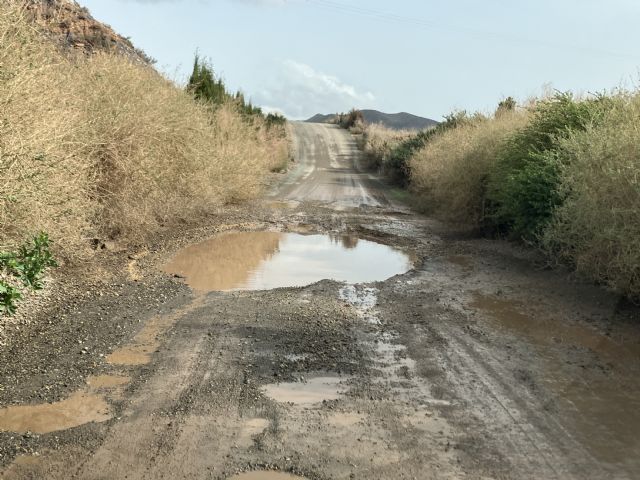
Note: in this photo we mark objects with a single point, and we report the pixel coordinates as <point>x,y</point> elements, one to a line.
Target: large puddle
<point>266,260</point>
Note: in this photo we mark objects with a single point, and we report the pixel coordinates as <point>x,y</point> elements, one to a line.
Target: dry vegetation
<point>449,174</point>
<point>379,141</point>
<point>597,228</point>
<point>100,147</point>
<point>562,173</point>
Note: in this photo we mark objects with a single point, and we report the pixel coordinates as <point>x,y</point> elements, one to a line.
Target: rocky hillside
<point>73,26</point>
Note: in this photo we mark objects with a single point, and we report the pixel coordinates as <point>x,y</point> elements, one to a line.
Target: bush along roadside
<point>396,165</point>
<point>561,174</point>
<point>523,188</point>
<point>23,268</point>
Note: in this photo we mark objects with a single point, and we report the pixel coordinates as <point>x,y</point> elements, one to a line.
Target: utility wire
<point>421,23</point>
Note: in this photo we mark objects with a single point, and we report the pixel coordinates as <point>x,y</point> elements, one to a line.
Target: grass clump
<point>562,174</point>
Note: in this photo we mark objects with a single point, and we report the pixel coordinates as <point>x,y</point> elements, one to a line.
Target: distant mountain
<point>396,121</point>
<point>319,118</point>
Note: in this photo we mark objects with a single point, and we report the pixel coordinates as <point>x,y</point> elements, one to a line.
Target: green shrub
<point>597,227</point>
<point>275,120</point>
<point>204,85</point>
<point>522,190</point>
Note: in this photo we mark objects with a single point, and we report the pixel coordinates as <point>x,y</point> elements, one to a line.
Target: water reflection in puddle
<point>314,390</point>
<point>266,260</point>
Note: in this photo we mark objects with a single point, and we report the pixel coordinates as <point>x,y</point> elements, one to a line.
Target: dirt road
<point>475,363</point>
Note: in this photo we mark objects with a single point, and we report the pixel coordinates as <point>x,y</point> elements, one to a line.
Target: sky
<point>426,57</point>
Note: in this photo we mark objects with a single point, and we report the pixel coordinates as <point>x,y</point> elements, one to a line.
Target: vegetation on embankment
<point>102,147</point>
<point>561,173</point>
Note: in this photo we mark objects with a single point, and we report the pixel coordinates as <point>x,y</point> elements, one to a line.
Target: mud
<point>107,381</point>
<point>78,409</point>
<point>267,260</point>
<point>309,391</point>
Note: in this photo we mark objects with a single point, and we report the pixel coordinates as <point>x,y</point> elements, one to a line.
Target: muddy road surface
<point>411,350</point>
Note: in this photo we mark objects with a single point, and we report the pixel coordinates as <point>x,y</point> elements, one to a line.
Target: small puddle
<point>266,260</point>
<point>265,475</point>
<point>147,340</point>
<point>80,408</point>
<point>314,390</point>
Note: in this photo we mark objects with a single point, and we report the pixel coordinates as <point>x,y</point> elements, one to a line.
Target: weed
<point>27,265</point>
<point>9,296</point>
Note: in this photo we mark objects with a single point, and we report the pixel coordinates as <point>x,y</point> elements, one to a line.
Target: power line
<point>426,24</point>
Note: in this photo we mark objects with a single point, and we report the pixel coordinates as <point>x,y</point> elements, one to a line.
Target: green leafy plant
<point>34,259</point>
<point>9,296</point>
<point>28,266</point>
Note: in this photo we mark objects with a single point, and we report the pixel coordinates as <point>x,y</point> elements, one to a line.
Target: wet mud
<point>308,391</point>
<point>78,409</point>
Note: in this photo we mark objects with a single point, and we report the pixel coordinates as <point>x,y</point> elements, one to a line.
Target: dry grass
<point>597,229</point>
<point>103,148</point>
<point>449,174</point>
<point>379,141</point>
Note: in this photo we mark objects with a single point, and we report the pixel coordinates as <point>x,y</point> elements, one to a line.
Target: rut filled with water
<point>267,260</point>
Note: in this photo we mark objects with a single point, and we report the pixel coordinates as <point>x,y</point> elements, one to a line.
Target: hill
<point>73,27</point>
<point>396,121</point>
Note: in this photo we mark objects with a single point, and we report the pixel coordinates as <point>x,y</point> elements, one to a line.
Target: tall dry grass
<point>379,141</point>
<point>99,147</point>
<point>449,174</point>
<point>597,227</point>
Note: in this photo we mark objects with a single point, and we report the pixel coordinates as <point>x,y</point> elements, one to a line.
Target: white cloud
<point>300,91</point>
